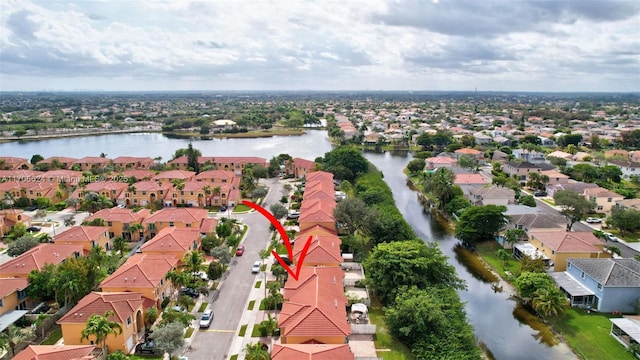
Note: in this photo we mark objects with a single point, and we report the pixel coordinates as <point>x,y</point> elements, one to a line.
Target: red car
<point>240,250</point>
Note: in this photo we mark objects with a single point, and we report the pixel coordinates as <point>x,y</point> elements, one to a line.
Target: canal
<point>498,322</point>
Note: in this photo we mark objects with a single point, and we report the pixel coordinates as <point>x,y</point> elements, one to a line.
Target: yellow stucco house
<point>559,246</point>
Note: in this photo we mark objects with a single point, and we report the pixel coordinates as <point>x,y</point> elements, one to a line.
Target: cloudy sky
<point>499,45</point>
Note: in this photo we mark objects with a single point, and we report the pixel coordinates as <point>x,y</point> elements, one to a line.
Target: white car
<point>593,220</point>
<point>206,319</point>
<point>255,268</point>
<point>612,237</point>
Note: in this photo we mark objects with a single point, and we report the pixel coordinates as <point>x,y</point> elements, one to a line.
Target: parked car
<point>240,250</point>
<point>177,308</point>
<point>593,220</point>
<point>612,237</point>
<point>32,208</point>
<point>189,292</point>
<point>223,208</point>
<point>206,319</point>
<point>146,348</point>
<point>33,229</point>
<point>293,215</point>
<point>540,193</point>
<point>255,268</point>
<point>285,259</point>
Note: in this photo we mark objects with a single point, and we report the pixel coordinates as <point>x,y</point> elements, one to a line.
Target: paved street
<point>234,292</point>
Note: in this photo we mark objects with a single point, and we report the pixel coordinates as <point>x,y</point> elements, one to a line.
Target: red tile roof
<point>311,352</point>
<point>175,174</point>
<point>462,179</point>
<point>151,185</point>
<point>92,160</point>
<point>11,285</point>
<point>82,233</point>
<point>468,151</point>
<point>141,271</point>
<point>125,216</point>
<point>123,305</point>
<point>323,249</point>
<point>132,160</point>
<point>138,174</point>
<point>317,230</point>
<point>56,352</point>
<point>319,175</point>
<point>303,163</point>
<point>61,159</point>
<point>563,241</point>
<point>183,215</point>
<point>311,280</point>
<point>215,174</point>
<point>36,258</point>
<point>171,239</point>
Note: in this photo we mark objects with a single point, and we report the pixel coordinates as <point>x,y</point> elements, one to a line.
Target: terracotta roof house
<point>138,174</point>
<point>469,152</point>
<point>143,193</point>
<point>320,176</point>
<point>231,163</point>
<point>11,217</point>
<point>10,162</point>
<point>143,273</point>
<point>217,176</point>
<point>87,236</point>
<point>56,352</point>
<point>90,162</point>
<point>329,278</point>
<point>36,190</point>
<point>435,162</point>
<point>175,175</point>
<point>173,241</point>
<point>110,189</point>
<point>317,230</point>
<point>37,257</point>
<point>323,251</point>
<point>560,155</point>
<point>299,168</point>
<point>120,220</point>
<point>311,352</point>
<point>562,245</point>
<point>470,179</point>
<point>606,284</point>
<point>315,314</point>
<point>130,162</point>
<point>603,198</point>
<point>494,195</point>
<point>128,309</point>
<point>318,215</point>
<point>12,294</point>
<point>61,161</point>
<point>174,217</point>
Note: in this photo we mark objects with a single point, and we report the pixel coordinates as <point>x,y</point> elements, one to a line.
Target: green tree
<point>169,338</point>
<point>480,223</point>
<point>549,301</point>
<point>345,162</point>
<point>36,158</point>
<point>527,200</point>
<point>626,220</point>
<point>260,172</point>
<point>443,188</point>
<point>14,336</point>
<point>416,165</point>
<point>352,214</point>
<point>215,270</point>
<point>41,283</point>
<point>171,316</point>
<point>120,245</point>
<point>407,263</point>
<point>528,282</point>
<point>22,245</point>
<point>503,255</point>
<point>259,192</point>
<point>222,254</point>
<point>278,210</point>
<point>223,230</point>
<point>457,205</point>
<point>100,327</point>
<point>574,206</point>
<point>432,323</point>
<point>513,236</point>
<point>256,352</point>
<point>210,241</point>
<point>150,316</point>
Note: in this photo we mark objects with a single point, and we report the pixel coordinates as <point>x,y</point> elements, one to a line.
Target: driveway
<point>231,302</point>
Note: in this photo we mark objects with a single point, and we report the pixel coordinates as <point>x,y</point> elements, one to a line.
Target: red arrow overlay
<point>283,234</point>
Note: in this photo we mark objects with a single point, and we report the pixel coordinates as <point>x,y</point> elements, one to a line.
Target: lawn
<point>588,335</point>
<point>188,333</point>
<point>234,357</point>
<point>203,306</point>
<point>397,350</point>
<point>488,252</point>
<point>549,201</point>
<point>243,330</point>
<point>53,337</point>
<point>252,303</point>
<point>628,237</point>
<point>241,208</point>
<point>258,284</point>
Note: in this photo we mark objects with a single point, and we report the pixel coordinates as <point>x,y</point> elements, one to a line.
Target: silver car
<point>206,319</point>
<point>255,268</point>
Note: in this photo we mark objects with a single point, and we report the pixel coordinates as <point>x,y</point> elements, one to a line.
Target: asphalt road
<point>231,302</point>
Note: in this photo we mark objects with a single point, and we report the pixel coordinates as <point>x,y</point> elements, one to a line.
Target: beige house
<point>492,196</point>
<point>603,198</point>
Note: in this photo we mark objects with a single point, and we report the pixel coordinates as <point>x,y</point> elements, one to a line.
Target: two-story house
<point>174,217</point>
<point>311,351</point>
<point>603,199</point>
<point>87,236</point>
<point>122,163</point>
<point>119,221</point>
<point>520,170</point>
<point>606,285</point>
<point>143,193</point>
<point>143,273</point>
<point>299,168</point>
<point>493,195</point>
<point>57,352</point>
<point>39,256</point>
<point>562,245</point>
<point>176,241</point>
<point>127,308</point>
<point>12,295</point>
<point>89,163</point>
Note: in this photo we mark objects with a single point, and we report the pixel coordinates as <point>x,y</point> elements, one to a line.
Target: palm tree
<point>503,255</point>
<point>513,236</point>
<point>13,336</point>
<point>120,245</point>
<point>549,301</point>
<point>256,352</point>
<point>443,180</point>
<point>101,327</point>
<point>136,228</point>
<point>192,263</point>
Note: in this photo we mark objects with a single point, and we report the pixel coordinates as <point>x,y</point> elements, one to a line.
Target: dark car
<point>189,292</point>
<point>223,208</point>
<point>540,193</point>
<point>33,229</point>
<point>32,208</point>
<point>146,348</point>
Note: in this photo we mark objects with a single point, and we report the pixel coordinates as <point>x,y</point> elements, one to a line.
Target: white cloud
<point>282,44</point>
